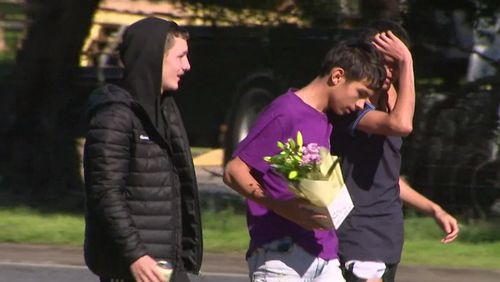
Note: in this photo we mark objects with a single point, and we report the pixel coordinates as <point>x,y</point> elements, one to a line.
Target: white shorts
<point>274,263</point>
<point>366,269</point>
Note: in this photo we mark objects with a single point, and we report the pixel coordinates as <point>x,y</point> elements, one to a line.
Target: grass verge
<point>477,246</point>
<point>25,225</point>
<point>225,231</point>
<point>195,151</point>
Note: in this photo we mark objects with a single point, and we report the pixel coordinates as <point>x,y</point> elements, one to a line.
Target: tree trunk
<point>43,160</point>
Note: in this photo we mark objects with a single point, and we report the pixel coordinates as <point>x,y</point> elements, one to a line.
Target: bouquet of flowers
<point>315,175</point>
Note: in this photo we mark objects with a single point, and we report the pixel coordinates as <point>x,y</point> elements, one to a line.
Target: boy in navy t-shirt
<point>371,238</point>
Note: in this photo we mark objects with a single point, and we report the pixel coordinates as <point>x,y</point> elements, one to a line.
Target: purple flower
<point>310,154</point>
<point>310,148</point>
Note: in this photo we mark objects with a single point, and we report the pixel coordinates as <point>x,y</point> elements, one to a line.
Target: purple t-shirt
<point>281,120</point>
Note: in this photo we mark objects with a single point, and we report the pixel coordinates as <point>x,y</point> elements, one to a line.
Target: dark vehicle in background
<point>451,156</point>
<point>235,72</point>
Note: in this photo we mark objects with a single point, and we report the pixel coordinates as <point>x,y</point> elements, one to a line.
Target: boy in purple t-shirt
<point>286,244</point>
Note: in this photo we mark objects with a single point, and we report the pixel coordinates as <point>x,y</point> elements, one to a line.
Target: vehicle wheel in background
<point>243,114</point>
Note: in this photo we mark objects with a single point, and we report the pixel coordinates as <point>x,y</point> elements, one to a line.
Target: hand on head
<point>393,49</point>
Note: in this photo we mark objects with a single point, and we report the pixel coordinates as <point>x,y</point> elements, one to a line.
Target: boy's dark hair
<point>377,26</point>
<point>360,61</point>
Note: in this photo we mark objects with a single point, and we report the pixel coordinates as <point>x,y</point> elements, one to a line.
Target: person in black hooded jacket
<point>140,186</point>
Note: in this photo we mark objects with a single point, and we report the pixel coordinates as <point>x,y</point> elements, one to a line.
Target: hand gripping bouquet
<point>315,175</point>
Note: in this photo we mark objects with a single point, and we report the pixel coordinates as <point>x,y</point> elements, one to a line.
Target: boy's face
<point>391,73</point>
<point>175,64</point>
<point>348,96</point>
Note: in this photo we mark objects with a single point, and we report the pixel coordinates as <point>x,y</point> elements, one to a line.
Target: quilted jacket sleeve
<point>107,156</point>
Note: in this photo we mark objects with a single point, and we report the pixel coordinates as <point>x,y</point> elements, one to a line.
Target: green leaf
<point>267,159</point>
<point>292,144</point>
<point>276,159</point>
<point>300,140</point>
<point>281,145</point>
<point>293,174</point>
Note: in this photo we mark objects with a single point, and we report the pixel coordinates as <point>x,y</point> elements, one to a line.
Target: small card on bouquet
<point>340,207</point>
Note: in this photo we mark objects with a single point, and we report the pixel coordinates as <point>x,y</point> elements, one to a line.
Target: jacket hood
<point>141,52</point>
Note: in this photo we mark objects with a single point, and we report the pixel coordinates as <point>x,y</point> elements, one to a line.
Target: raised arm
<point>398,120</point>
<point>419,202</point>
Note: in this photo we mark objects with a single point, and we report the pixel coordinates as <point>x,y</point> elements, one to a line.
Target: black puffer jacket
<point>141,192</point>
<point>137,203</point>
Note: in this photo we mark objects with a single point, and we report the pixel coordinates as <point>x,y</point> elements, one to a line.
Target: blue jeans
<point>283,260</point>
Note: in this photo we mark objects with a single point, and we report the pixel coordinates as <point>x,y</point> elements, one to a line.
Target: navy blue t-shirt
<point>371,163</point>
